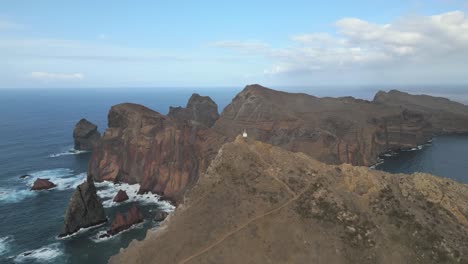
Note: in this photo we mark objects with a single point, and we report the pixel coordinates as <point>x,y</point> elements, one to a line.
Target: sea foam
<point>68,152</point>
<point>63,178</point>
<point>4,244</point>
<point>108,190</point>
<point>45,254</point>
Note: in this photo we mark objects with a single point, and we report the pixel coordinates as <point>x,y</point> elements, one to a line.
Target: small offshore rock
<point>160,216</point>
<point>42,184</point>
<point>121,196</point>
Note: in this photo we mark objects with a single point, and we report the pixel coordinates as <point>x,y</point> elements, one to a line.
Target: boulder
<point>84,209</point>
<point>42,184</point>
<point>121,196</point>
<point>124,221</point>
<point>160,216</point>
<point>85,135</point>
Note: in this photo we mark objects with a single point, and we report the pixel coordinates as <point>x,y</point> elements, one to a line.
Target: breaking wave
<point>45,254</point>
<point>4,244</point>
<point>68,152</point>
<point>108,190</point>
<point>63,178</point>
<point>97,238</point>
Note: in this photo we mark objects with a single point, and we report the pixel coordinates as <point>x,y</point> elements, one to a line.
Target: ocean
<point>36,127</point>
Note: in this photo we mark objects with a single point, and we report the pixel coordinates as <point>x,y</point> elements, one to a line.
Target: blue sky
<point>231,43</point>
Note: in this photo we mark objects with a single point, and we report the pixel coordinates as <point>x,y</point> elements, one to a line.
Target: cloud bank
<point>409,43</point>
<point>56,76</point>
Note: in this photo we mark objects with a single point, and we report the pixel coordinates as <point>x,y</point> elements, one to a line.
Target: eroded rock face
<point>124,221</point>
<point>262,204</point>
<point>85,135</point>
<point>121,196</point>
<point>84,209</point>
<point>201,110</point>
<point>339,130</point>
<point>42,184</point>
<point>163,154</point>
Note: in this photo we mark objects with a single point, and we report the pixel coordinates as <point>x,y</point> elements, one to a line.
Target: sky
<point>232,43</point>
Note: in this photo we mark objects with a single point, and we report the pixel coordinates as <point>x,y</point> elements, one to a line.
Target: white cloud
<point>56,76</point>
<point>416,41</point>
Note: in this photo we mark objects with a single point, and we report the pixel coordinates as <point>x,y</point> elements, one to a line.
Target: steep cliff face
<point>162,153</point>
<point>85,135</point>
<point>262,204</point>
<point>333,130</point>
<point>445,116</point>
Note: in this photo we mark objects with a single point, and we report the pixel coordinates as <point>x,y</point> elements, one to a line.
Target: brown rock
<point>42,184</point>
<point>166,154</point>
<point>121,196</point>
<point>142,146</point>
<point>124,221</point>
<point>85,135</point>
<point>262,204</point>
<point>160,216</point>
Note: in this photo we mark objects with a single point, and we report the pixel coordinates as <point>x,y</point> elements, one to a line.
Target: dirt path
<point>224,237</point>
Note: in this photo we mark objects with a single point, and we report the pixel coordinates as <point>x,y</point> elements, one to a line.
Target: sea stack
<point>85,135</point>
<point>84,209</point>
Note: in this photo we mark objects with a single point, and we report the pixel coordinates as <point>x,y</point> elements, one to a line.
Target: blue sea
<point>36,128</point>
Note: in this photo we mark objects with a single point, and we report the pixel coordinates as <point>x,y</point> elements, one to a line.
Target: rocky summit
<point>85,135</point>
<point>258,203</point>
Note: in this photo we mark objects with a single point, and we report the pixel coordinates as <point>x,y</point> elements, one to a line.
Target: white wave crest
<point>13,195</point>
<point>45,254</point>
<point>68,152</point>
<point>97,238</point>
<point>63,178</point>
<point>4,244</point>
<point>108,190</point>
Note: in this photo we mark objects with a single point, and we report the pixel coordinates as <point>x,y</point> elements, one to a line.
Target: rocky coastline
<point>168,155</point>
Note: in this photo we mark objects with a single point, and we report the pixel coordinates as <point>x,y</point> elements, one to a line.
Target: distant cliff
<point>262,204</point>
<point>167,153</point>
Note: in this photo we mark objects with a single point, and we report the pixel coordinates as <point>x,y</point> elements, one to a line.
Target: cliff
<point>167,153</point>
<point>162,153</point>
<point>262,204</point>
<point>340,130</point>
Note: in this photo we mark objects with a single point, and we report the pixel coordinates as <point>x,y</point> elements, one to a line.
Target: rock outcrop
<point>121,196</point>
<point>42,184</point>
<point>84,209</point>
<point>124,221</point>
<point>200,110</point>
<point>166,154</point>
<point>162,153</point>
<point>85,135</point>
<point>340,130</point>
<point>258,203</point>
